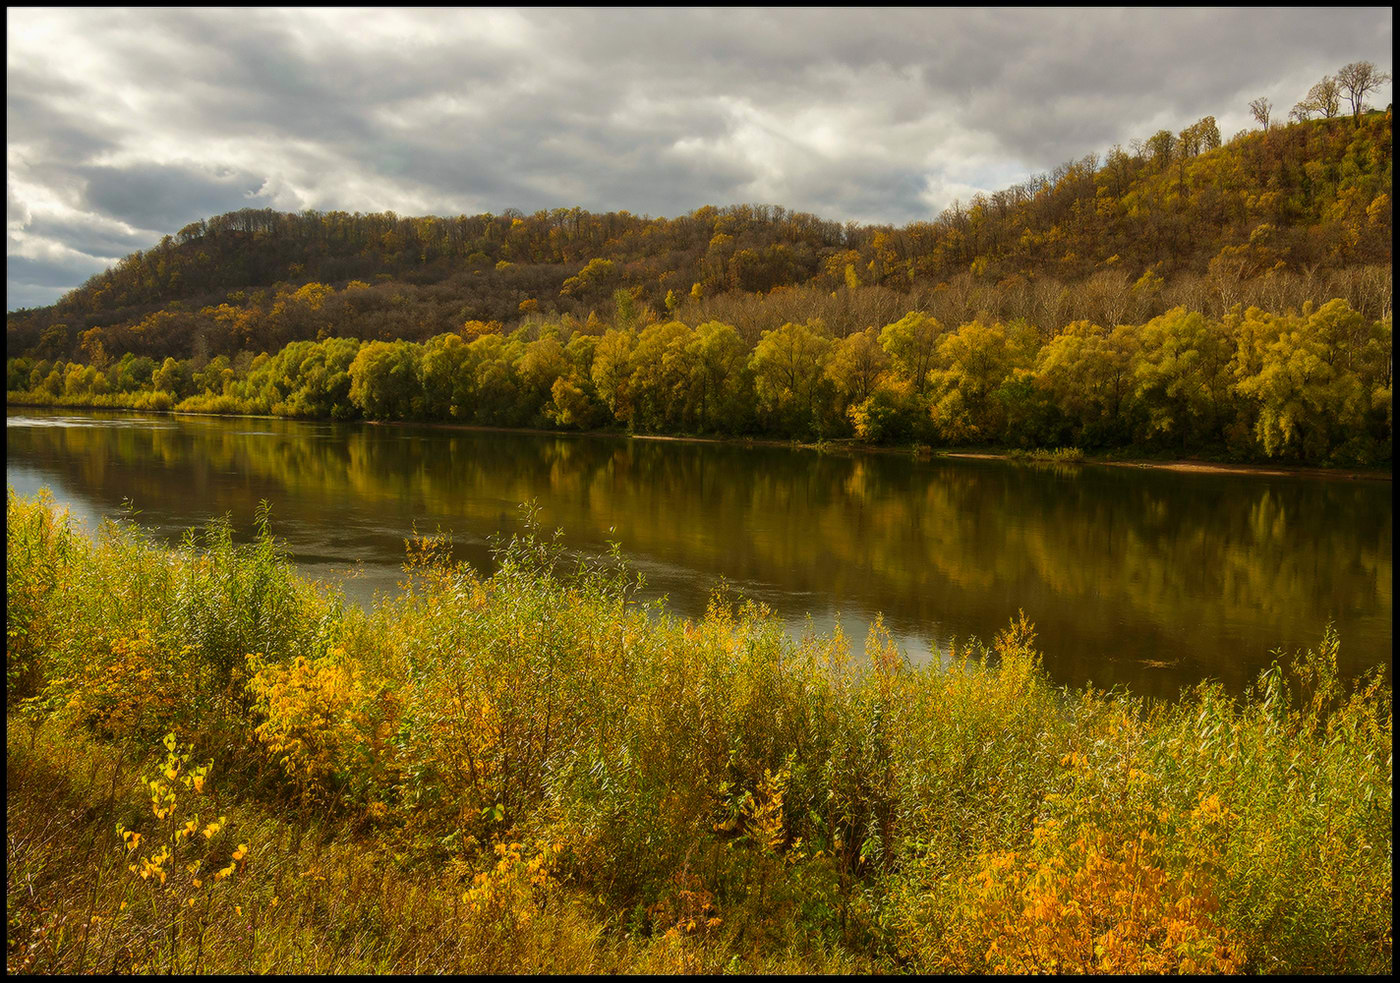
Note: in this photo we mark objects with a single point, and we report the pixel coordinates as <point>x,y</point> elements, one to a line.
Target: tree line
<point>1312,384</point>
<point>1324,100</point>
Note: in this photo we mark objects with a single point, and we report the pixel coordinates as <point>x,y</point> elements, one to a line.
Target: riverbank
<point>1202,467</point>
<point>1107,561</point>
<point>845,445</point>
<point>525,772</point>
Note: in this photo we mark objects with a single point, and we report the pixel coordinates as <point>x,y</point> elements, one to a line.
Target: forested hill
<point>1292,213</point>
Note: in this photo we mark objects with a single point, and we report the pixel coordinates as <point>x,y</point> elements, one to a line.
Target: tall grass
<point>530,772</point>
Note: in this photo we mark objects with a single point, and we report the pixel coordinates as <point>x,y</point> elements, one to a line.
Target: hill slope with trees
<point>1226,298</point>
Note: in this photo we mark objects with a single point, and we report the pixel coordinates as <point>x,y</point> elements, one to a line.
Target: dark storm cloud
<point>54,273</point>
<point>125,125</point>
<point>165,196</point>
<point>38,283</point>
<point>106,241</point>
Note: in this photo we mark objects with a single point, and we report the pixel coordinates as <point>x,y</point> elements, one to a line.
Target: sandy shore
<point>846,445</point>
<point>1209,467</point>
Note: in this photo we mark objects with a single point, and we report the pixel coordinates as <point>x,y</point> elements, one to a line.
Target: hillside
<point>1232,302</point>
<point>1308,203</point>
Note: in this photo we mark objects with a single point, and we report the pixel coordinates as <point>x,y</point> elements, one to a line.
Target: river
<point>1144,578</point>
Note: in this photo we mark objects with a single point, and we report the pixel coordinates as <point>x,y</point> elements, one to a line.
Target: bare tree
<point>1359,78</point>
<point>1261,108</point>
<point>1324,99</point>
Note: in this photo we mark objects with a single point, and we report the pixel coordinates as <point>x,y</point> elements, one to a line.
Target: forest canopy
<point>1229,297</point>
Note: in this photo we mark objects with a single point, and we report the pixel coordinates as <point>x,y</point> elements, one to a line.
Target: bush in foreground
<point>532,772</point>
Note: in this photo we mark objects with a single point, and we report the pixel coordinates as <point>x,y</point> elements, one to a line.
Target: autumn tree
<point>788,365</point>
<point>855,366</point>
<point>386,380</point>
<point>596,276</point>
<point>717,370</point>
<point>1159,148</point>
<point>94,347</point>
<point>1182,375</point>
<point>448,382</point>
<point>612,372</point>
<point>911,343</point>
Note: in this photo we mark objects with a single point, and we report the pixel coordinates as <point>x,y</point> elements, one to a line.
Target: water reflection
<point>1144,578</point>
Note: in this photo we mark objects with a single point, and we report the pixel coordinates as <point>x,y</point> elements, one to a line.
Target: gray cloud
<point>98,240</point>
<point>38,283</point>
<point>165,196</point>
<point>125,125</point>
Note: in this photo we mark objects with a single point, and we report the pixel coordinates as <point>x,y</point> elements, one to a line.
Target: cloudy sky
<point>124,126</point>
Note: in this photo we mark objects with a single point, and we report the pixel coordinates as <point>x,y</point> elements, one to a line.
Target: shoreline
<point>1193,466</point>
<point>848,445</point>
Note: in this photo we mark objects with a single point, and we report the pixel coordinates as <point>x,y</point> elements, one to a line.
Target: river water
<point>1145,578</point>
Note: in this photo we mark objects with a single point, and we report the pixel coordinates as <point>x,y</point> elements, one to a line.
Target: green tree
<point>857,362</point>
<point>788,365</point>
<point>572,404</point>
<point>497,386</point>
<point>911,343</point>
<point>717,368</point>
<point>660,377</point>
<point>972,363</point>
<point>386,380</point>
<point>541,363</point>
<point>612,372</point>
<point>172,377</point>
<point>1182,375</point>
<point>449,379</point>
<point>1087,373</point>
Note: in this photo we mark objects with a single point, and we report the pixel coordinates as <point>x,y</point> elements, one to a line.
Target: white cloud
<point>125,124</point>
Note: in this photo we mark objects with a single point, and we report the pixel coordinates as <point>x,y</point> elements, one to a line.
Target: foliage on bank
<point>214,764</point>
<point>1313,386</point>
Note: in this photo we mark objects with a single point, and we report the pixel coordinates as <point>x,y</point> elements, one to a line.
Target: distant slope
<point>1303,199</point>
